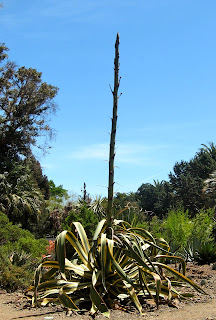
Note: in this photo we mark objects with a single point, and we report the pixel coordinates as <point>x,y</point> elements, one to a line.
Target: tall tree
<point>25,105</point>
<point>187,178</point>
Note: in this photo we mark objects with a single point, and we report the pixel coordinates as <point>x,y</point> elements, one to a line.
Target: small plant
<point>206,253</point>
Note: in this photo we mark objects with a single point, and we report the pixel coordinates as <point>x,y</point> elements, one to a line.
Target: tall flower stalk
<point>113,135</point>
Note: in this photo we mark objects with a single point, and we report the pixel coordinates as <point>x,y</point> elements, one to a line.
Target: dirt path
<point>196,311</point>
<point>201,307</point>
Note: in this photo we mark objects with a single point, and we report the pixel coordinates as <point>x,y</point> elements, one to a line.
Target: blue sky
<point>168,69</point>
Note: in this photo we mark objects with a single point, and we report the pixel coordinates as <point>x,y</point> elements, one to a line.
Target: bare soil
<point>200,307</point>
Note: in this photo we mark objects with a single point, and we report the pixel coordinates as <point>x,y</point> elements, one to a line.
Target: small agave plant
<point>119,262</point>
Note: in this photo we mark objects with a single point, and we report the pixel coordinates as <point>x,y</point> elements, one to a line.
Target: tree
<point>20,197</point>
<point>155,199</point>
<point>57,191</point>
<point>187,179</point>
<point>41,179</point>
<point>25,105</point>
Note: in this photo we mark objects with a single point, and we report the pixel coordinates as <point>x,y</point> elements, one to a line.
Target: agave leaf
<point>98,302</point>
<point>48,300</point>
<point>95,276</point>
<point>78,247</point>
<point>119,270</point>
<point>145,264</point>
<point>48,293</point>
<point>83,236</point>
<point>158,287</point>
<point>145,232</point>
<point>181,276</point>
<point>122,210</point>
<point>49,274</point>
<point>81,269</point>
<point>103,256</point>
<point>60,252</point>
<point>55,283</point>
<point>108,266</point>
<point>76,285</point>
<point>138,257</point>
<point>162,242</point>
<point>121,224</point>
<point>37,278</point>
<point>133,296</point>
<point>100,227</point>
<point>180,259</point>
<point>143,282</point>
<point>66,300</point>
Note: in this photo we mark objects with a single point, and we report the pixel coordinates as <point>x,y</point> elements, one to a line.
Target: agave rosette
<point>125,262</point>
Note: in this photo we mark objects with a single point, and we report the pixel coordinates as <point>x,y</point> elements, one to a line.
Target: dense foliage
<point>184,187</point>
<point>19,253</point>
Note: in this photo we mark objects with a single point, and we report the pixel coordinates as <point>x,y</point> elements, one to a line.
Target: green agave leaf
<point>60,252</point>
<point>122,210</point>
<point>66,300</point>
<point>83,236</point>
<point>158,287</point>
<point>48,293</point>
<point>133,296</point>
<point>37,275</point>
<point>181,276</point>
<point>37,278</point>
<point>74,286</point>
<point>137,257</point>
<point>98,302</point>
<point>108,266</point>
<point>48,300</point>
<point>162,242</point>
<point>55,283</point>
<point>119,270</point>
<point>143,282</point>
<point>145,264</point>
<point>95,276</point>
<point>153,244</point>
<point>121,224</point>
<point>81,269</point>
<point>79,249</point>
<point>103,261</point>
<point>49,274</point>
<point>100,228</point>
<point>145,232</point>
<point>180,259</point>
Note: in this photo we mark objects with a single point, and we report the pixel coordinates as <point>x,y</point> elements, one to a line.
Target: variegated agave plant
<point>130,263</point>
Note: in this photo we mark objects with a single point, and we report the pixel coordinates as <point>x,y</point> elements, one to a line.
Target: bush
<point>206,253</point>
<point>177,228</point>
<point>19,253</point>
<point>85,216</point>
<point>203,225</point>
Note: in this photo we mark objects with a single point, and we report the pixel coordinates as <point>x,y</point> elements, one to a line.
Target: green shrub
<point>19,253</point>
<point>85,216</point>
<point>203,225</point>
<point>206,253</point>
<point>177,228</point>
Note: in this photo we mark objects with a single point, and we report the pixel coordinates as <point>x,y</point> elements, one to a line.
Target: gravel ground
<point>200,307</point>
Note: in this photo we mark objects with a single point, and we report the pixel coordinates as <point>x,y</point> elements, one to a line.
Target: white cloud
<point>125,153</point>
<point>94,151</point>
